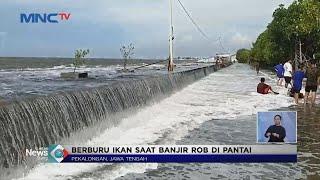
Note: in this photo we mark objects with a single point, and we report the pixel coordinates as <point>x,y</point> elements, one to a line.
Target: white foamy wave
<point>61,67</point>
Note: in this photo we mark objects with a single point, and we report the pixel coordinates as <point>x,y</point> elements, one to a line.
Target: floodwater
<point>218,109</point>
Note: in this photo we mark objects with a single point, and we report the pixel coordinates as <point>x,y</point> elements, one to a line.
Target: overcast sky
<point>104,25</point>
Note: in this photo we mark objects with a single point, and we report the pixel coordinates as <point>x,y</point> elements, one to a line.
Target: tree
<point>300,22</point>
<point>264,50</point>
<point>127,53</point>
<point>79,58</point>
<point>243,55</point>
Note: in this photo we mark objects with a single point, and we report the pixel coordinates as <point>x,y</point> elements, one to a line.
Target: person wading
<point>297,83</point>
<point>257,68</point>
<point>313,80</point>
<point>280,71</point>
<point>287,73</point>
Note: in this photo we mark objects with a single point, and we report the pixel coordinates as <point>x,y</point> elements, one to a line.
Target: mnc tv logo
<point>56,153</point>
<point>44,17</point>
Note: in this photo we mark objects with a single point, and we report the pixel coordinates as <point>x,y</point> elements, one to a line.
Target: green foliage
<point>299,22</point>
<point>261,50</point>
<point>79,58</point>
<point>243,55</point>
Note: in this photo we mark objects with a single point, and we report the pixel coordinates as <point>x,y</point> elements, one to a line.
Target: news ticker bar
<point>185,149</point>
<point>173,153</point>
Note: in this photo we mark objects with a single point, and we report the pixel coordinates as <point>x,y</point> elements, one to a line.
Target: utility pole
<point>300,51</point>
<point>298,54</point>
<point>170,63</point>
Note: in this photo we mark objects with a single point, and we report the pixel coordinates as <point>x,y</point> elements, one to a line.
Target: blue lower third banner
<point>276,153</point>
<point>219,158</point>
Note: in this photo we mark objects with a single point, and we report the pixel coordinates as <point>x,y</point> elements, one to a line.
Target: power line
<point>221,44</point>
<point>196,25</point>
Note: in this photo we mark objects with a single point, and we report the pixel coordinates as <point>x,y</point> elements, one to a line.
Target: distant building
<point>206,60</point>
<point>223,58</point>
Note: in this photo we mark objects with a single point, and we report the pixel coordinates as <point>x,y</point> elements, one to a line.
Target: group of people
<point>294,80</point>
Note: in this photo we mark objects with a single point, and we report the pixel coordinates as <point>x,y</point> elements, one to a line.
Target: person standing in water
<point>280,71</point>
<point>288,73</point>
<point>297,83</point>
<point>257,68</point>
<point>313,80</point>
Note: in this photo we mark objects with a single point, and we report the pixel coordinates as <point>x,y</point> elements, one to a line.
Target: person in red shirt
<point>264,88</point>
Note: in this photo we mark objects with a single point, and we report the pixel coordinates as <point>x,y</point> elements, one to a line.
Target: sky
<point>103,26</point>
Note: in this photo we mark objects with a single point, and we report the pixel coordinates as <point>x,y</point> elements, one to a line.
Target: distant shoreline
<point>65,58</point>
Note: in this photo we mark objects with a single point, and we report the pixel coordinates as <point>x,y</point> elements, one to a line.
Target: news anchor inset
<point>277,127</point>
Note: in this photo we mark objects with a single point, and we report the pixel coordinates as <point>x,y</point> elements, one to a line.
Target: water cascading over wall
<point>44,120</point>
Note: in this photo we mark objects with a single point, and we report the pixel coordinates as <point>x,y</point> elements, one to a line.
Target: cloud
<point>241,40</point>
<point>3,36</point>
<point>185,39</point>
<point>109,23</point>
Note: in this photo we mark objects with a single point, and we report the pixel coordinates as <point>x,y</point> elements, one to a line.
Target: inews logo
<point>56,153</point>
<point>44,17</point>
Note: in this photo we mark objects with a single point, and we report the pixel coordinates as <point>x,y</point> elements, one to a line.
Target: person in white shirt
<point>288,73</point>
